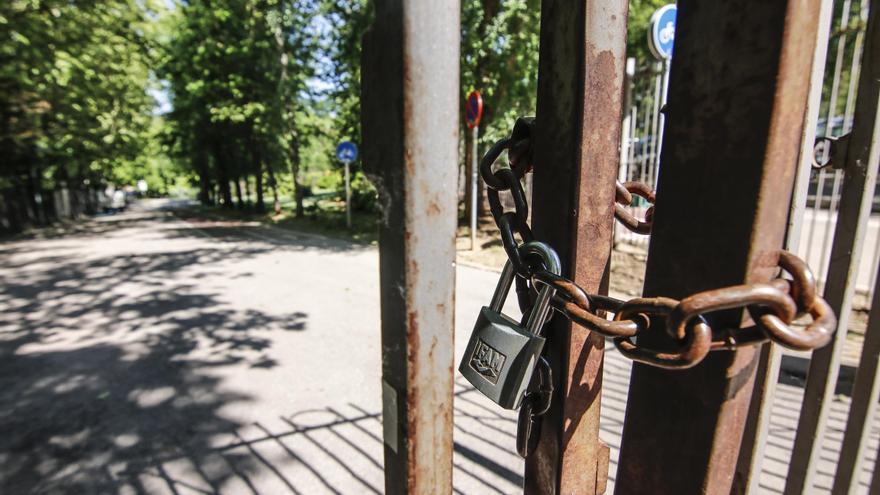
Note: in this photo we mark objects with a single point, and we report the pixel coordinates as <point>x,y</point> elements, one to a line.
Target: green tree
<point>74,105</point>
<point>237,72</point>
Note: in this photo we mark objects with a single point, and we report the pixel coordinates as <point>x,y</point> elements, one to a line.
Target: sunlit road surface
<point>143,353</point>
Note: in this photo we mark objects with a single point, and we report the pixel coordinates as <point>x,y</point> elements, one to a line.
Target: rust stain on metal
<point>744,105</point>
<point>413,341</point>
<point>412,336</point>
<point>575,160</point>
<point>433,209</point>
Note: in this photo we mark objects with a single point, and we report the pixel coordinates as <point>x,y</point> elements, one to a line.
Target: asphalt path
<point>147,352</point>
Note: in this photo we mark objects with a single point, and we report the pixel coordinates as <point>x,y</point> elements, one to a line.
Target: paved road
<point>141,353</point>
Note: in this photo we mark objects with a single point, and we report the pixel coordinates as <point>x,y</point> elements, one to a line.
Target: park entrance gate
<point>738,122</point>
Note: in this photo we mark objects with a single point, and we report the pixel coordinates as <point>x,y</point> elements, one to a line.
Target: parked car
<point>113,200</point>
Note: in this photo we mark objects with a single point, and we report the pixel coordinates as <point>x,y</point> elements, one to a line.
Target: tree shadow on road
<point>106,367</point>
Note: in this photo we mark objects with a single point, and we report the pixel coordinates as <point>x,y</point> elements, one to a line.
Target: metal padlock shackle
<point>542,305</point>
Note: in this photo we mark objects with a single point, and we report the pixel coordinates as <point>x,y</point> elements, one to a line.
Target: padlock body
<point>500,358</point>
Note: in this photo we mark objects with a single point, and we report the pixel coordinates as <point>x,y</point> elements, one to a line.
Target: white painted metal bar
<point>875,266</point>
<point>410,128</point>
<point>655,125</point>
<point>475,184</point>
<point>829,125</point>
<point>634,123</point>
<point>865,145</point>
<point>626,135</point>
<point>661,122</point>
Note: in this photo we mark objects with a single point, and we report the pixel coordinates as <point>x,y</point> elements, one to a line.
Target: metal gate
<point>735,184</point>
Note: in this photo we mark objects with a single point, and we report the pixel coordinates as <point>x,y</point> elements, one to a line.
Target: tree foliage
<point>74,106</point>
<point>259,91</point>
<point>499,57</point>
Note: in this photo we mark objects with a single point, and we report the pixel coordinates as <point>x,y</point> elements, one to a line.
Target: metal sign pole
<point>661,118</point>
<point>472,115</point>
<point>347,195</point>
<point>475,183</point>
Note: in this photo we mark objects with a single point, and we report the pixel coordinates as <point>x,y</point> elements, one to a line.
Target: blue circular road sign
<point>661,34</point>
<point>347,152</point>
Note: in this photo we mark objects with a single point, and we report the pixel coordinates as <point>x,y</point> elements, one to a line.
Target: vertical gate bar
<point>578,119</point>
<point>863,409</point>
<point>860,169</point>
<point>626,137</point>
<point>855,66</point>
<point>634,130</point>
<point>875,477</point>
<point>751,455</point>
<point>410,131</point>
<point>655,122</point>
<point>733,129</point>
<point>864,155</point>
<point>875,265</point>
<point>661,121</point>
<point>644,158</point>
<point>828,131</point>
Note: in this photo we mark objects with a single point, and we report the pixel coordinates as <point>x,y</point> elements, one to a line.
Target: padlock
<point>501,354</point>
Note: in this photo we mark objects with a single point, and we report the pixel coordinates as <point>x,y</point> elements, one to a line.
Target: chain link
<point>772,307</point>
<point>624,196</point>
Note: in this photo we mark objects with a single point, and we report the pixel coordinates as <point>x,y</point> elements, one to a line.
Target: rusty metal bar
<point>751,456</point>
<point>863,156</point>
<point>733,128</point>
<point>578,118</point>
<point>410,133</point>
<point>860,171</point>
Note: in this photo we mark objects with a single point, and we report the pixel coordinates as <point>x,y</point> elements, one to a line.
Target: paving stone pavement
<point>142,353</point>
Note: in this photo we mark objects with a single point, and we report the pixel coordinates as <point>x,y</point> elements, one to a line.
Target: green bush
<point>363,194</point>
<point>326,180</point>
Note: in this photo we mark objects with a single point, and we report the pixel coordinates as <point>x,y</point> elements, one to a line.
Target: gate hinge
<point>831,152</point>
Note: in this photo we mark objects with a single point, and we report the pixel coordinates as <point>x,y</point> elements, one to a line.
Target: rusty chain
<point>518,147</point>
<point>772,307</point>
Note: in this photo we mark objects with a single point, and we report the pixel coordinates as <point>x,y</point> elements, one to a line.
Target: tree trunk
<point>298,189</point>
<point>289,100</point>
<point>33,206</point>
<point>295,164</point>
<point>468,174</point>
<point>261,205</point>
<point>223,177</point>
<point>273,184</point>
<point>491,9</point>
<point>257,158</point>
<point>201,166</point>
<point>238,196</point>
